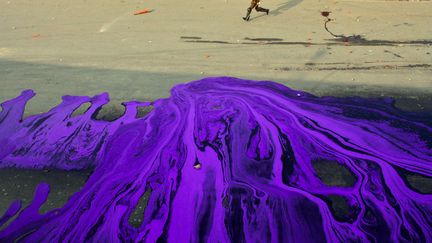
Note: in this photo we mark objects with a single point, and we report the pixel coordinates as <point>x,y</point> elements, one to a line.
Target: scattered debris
<point>197,166</point>
<point>325,13</point>
<point>143,11</point>
<point>394,54</point>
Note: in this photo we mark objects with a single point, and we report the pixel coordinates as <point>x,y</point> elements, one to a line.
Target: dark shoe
<point>246,18</point>
<point>267,11</point>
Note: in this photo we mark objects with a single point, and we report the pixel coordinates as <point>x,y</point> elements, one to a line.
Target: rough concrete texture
<point>86,47</point>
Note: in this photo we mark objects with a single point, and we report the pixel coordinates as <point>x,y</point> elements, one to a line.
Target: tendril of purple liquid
<point>225,160</point>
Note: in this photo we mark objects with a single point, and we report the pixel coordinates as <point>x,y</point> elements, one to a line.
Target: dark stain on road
<point>312,67</point>
<point>346,41</point>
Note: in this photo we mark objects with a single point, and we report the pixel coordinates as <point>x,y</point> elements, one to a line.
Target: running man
<point>255,4</point>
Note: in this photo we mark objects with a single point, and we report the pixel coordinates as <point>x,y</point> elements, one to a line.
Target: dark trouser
<point>254,4</point>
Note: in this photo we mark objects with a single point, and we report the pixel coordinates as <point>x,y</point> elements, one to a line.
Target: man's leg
<point>259,9</point>
<point>253,5</point>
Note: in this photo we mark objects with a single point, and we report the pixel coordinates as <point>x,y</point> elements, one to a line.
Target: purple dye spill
<point>225,160</point>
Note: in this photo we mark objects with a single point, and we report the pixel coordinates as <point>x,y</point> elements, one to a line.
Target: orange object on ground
<point>144,11</point>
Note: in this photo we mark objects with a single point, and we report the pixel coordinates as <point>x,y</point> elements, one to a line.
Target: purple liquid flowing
<point>225,160</point>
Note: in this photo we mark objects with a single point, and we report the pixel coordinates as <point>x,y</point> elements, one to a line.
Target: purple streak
<point>225,160</point>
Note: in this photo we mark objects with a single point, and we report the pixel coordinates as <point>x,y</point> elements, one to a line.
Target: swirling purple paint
<point>225,160</point>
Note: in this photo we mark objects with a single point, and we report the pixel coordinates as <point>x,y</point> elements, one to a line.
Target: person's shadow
<point>284,7</point>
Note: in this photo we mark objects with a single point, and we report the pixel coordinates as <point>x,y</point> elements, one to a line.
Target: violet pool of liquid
<point>223,160</point>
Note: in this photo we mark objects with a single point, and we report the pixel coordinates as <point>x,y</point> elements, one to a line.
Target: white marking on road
<point>108,25</point>
<point>5,52</point>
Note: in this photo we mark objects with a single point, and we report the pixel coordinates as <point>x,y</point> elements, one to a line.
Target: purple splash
<point>225,160</point>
